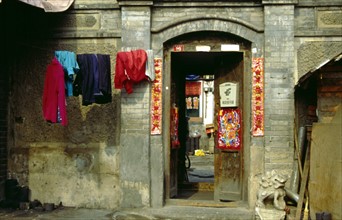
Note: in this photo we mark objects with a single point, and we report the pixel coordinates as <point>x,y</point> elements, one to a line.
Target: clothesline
<point>124,49</point>
<point>51,50</point>
<point>36,47</point>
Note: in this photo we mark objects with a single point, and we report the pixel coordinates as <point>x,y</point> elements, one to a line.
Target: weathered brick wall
<point>319,2</point>
<point>135,112</point>
<point>77,165</point>
<point>312,54</point>
<point>126,162</point>
<point>279,93</point>
<point>318,36</point>
<point>162,16</point>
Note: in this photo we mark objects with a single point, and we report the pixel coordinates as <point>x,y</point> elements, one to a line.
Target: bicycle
<point>187,161</point>
<point>187,164</point>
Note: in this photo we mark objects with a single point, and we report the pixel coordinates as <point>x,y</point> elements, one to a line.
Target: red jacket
<point>54,94</point>
<point>130,68</point>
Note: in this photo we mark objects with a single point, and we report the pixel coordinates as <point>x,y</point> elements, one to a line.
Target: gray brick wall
<point>279,98</point>
<point>135,114</point>
<point>312,54</point>
<point>105,26</point>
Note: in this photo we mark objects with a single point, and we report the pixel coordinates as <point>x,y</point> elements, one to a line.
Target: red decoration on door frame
<point>258,97</point>
<point>156,105</point>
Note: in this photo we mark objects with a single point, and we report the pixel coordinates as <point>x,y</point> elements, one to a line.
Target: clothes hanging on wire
<point>54,103</point>
<point>71,67</point>
<point>130,68</point>
<point>150,72</point>
<point>85,78</point>
<point>93,81</point>
<point>103,86</point>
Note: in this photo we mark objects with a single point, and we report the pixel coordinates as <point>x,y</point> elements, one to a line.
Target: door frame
<point>247,56</point>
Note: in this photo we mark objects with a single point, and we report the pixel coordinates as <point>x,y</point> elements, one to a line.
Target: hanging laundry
<point>150,66</point>
<point>70,65</point>
<point>192,77</point>
<point>130,68</point>
<point>84,81</point>
<point>54,103</point>
<point>93,81</point>
<point>103,86</point>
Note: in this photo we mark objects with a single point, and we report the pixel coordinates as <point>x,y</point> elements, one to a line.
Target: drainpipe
<point>292,195</point>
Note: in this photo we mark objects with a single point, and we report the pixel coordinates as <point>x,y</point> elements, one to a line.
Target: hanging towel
<point>150,66</point>
<point>50,5</point>
<point>70,65</point>
<point>130,68</point>
<point>54,103</point>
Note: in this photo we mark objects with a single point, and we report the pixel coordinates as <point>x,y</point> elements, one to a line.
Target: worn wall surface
<point>77,165</point>
<point>317,36</point>
<point>106,157</point>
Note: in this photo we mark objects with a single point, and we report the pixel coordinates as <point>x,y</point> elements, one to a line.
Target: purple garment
<point>93,80</point>
<point>104,92</point>
<point>87,64</point>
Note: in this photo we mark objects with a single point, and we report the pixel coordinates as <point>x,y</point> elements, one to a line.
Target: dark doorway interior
<point>196,182</point>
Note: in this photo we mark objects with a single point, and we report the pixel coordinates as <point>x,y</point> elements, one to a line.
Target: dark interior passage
<point>191,183</point>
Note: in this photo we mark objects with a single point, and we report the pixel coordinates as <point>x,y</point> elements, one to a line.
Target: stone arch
<point>178,28</point>
<point>190,24</point>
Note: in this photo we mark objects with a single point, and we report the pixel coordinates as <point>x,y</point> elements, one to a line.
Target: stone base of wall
<point>77,176</point>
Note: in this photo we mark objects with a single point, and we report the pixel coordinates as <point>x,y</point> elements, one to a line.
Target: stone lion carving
<point>272,187</point>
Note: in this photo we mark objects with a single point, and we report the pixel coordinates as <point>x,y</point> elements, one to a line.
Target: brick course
<point>279,68</point>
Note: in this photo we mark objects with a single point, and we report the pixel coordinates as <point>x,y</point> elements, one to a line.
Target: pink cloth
<point>130,68</point>
<point>54,94</point>
<point>50,5</point>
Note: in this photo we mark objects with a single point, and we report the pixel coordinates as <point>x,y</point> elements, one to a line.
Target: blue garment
<point>70,65</point>
<point>192,77</point>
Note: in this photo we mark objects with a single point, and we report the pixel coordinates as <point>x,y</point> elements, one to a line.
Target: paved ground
<point>167,212</point>
<point>201,171</point>
<point>202,168</point>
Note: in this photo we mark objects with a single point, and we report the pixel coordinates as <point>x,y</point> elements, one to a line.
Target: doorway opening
<point>198,169</point>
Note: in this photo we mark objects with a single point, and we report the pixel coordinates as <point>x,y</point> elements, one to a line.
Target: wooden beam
<point>304,182</point>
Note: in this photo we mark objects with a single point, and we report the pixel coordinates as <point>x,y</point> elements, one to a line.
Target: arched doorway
<point>222,179</point>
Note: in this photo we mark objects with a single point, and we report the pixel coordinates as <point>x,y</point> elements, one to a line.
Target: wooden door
<point>173,173</point>
<point>228,164</point>
<point>177,154</point>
